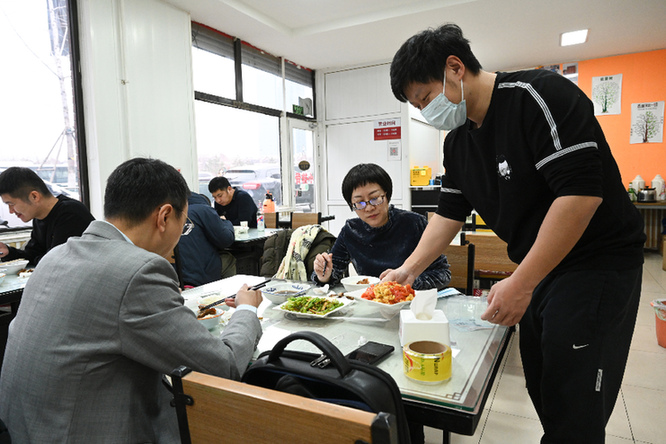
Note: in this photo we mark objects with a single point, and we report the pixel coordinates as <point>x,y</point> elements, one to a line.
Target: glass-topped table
<point>452,406</point>
<point>11,289</point>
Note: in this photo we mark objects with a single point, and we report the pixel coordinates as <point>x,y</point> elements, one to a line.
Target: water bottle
<point>260,220</point>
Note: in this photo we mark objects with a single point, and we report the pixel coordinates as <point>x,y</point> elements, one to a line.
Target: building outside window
<point>39,127</point>
<point>240,95</point>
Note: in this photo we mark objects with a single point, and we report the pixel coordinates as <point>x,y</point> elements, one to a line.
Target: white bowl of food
<point>211,317</point>
<point>13,267</point>
<point>279,292</point>
<point>353,283</point>
<point>2,277</point>
<point>388,297</point>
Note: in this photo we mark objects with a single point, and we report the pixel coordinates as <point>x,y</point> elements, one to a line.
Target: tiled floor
<point>640,413</point>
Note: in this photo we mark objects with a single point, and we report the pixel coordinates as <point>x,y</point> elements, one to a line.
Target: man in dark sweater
<point>526,152</point>
<point>233,204</point>
<point>54,219</point>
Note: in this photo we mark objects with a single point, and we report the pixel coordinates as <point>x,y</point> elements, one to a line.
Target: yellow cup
<point>427,361</point>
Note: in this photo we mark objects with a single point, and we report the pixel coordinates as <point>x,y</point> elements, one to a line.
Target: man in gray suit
<point>102,319</point>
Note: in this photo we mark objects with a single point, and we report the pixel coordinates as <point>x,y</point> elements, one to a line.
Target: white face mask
<point>443,114</point>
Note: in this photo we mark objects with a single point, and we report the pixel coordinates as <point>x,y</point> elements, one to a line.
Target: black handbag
<point>329,377</point>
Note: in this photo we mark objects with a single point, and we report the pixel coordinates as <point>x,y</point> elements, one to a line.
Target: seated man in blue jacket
<point>200,250</point>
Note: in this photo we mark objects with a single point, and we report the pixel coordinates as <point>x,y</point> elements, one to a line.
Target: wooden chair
<point>271,220</point>
<point>491,259</point>
<point>300,219</point>
<point>212,409</point>
<point>430,214</point>
<point>461,263</point>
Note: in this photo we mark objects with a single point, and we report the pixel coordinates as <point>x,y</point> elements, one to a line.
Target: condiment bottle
<point>269,203</point>
<point>632,193</point>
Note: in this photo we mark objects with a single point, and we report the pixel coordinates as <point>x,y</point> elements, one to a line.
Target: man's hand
<point>400,275</point>
<point>507,302</point>
<point>245,296</point>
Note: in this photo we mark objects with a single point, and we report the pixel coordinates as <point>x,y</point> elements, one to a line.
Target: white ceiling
<point>504,34</point>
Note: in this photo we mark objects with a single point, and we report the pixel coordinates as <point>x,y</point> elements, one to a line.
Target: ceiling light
<point>573,37</point>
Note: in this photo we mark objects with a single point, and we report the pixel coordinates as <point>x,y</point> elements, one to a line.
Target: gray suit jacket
<point>99,322</point>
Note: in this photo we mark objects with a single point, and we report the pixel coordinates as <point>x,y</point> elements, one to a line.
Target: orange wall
<point>643,80</point>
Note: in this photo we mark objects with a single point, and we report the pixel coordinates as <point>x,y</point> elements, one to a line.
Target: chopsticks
<point>233,296</point>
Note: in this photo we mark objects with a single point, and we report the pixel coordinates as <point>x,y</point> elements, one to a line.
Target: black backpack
<point>341,381</point>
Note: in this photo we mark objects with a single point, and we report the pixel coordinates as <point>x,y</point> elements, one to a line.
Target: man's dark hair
<point>20,182</point>
<point>139,186</point>
<point>422,58</point>
<point>218,183</point>
<point>363,174</point>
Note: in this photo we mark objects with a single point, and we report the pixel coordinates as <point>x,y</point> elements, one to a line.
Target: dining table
<point>11,290</point>
<point>248,248</point>
<point>453,406</point>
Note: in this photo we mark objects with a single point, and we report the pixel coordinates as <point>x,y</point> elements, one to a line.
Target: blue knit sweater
<point>373,250</point>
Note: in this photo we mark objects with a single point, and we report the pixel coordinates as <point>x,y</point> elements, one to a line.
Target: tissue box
<point>435,329</point>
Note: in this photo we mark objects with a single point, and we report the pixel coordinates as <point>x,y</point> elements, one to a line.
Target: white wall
<point>137,87</point>
<point>351,100</point>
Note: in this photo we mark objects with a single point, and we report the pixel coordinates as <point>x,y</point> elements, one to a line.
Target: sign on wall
<point>607,94</point>
<point>387,129</point>
<point>647,122</point>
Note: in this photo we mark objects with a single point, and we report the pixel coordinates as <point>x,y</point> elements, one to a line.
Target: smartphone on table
<point>371,352</point>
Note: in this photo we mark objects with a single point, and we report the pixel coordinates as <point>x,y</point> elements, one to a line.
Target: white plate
<point>345,303</point>
<point>387,310</point>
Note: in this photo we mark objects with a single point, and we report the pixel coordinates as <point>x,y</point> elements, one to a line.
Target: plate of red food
<point>390,297</point>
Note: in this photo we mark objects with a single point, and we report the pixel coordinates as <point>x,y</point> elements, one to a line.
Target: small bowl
<point>2,277</point>
<point>351,283</point>
<point>212,321</point>
<point>280,292</point>
<point>13,267</point>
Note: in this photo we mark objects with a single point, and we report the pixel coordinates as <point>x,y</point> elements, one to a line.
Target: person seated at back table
<point>231,203</point>
<point>102,318</point>
<point>380,238</point>
<point>54,219</point>
<point>201,250</point>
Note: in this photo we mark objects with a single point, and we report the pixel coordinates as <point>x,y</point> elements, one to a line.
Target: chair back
<point>300,219</point>
<point>271,220</point>
<point>213,409</point>
<point>461,264</point>
<point>430,214</point>
<point>490,256</point>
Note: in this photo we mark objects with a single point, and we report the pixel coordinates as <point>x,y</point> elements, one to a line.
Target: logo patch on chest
<point>503,167</point>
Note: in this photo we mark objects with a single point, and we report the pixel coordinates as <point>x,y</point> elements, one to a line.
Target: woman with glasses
<point>382,236</point>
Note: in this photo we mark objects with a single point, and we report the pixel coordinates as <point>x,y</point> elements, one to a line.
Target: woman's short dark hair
<point>218,183</point>
<point>422,58</point>
<point>363,174</point>
<point>140,185</point>
<point>19,182</point>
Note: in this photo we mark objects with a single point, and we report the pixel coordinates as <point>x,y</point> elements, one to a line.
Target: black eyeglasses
<point>187,228</point>
<point>374,202</point>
